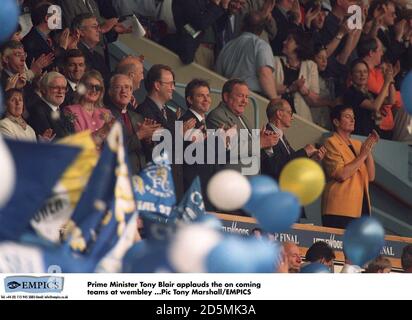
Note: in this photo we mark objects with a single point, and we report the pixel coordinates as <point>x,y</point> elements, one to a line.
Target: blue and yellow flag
<point>154,189</point>
<point>107,204</point>
<point>38,168</point>
<point>59,207</point>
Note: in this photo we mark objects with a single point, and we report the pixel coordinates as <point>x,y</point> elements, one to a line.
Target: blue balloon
<point>363,240</point>
<point>262,186</point>
<point>231,255</point>
<point>277,212</point>
<point>406,92</point>
<point>265,255</point>
<point>315,267</point>
<point>146,257</point>
<point>209,221</point>
<point>9,17</point>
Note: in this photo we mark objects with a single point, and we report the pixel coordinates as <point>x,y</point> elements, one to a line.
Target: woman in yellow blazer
<point>349,168</point>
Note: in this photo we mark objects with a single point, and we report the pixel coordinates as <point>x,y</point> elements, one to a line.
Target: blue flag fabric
<point>108,203</point>
<point>154,189</point>
<point>38,167</point>
<point>191,207</point>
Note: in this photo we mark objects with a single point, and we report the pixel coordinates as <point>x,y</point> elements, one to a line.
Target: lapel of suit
<point>344,148</point>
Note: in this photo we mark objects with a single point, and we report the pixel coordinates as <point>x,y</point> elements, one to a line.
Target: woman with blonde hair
<point>88,112</point>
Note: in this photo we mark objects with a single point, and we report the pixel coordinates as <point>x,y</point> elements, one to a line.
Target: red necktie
<point>127,123</point>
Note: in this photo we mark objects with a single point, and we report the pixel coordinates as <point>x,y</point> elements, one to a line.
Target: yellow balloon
<point>304,178</point>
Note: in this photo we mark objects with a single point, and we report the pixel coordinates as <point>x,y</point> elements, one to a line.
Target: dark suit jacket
<point>41,119</point>
<point>95,60</point>
<point>200,14</point>
<point>68,100</point>
<point>204,171</point>
<point>272,165</point>
<point>133,145</point>
<point>35,46</point>
<point>394,49</point>
<point>149,109</point>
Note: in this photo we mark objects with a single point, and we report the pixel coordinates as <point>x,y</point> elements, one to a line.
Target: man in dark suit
<point>46,113</point>
<point>198,101</point>
<point>135,128</point>
<point>89,30</point>
<point>39,42</point>
<point>196,27</point>
<point>74,67</point>
<point>160,85</point>
<point>273,160</point>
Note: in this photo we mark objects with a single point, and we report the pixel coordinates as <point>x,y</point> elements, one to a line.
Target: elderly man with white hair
<point>46,114</point>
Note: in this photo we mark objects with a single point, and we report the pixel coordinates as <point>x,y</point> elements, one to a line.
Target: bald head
<point>133,67</point>
<point>293,256</point>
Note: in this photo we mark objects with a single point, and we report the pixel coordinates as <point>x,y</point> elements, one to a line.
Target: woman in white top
<point>13,125</point>
<point>297,77</point>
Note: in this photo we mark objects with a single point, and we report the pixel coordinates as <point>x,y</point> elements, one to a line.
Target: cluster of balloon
<point>243,255</point>
<point>406,92</point>
<point>304,178</point>
<point>315,267</point>
<point>363,240</point>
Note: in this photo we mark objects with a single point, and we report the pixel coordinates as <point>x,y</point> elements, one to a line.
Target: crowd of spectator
<point>301,55</point>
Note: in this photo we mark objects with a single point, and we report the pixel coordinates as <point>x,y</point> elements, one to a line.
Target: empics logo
<point>51,284</point>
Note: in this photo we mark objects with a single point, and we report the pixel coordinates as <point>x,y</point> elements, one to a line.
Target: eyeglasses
<point>57,88</point>
<point>169,83</point>
<point>94,87</point>
<point>290,112</point>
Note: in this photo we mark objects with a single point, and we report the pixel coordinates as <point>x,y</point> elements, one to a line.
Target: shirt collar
<point>72,84</point>
<point>52,106</point>
<point>277,130</point>
<point>197,115</point>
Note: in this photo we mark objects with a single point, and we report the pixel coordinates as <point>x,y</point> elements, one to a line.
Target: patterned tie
<point>164,113</point>
<point>287,145</point>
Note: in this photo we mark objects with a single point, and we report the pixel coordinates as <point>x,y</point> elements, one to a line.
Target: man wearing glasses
<point>46,115</point>
<point>87,27</point>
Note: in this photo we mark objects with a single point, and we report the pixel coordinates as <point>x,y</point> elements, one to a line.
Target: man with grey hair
<point>273,160</point>
<point>136,128</point>
<point>46,114</point>
<point>133,67</point>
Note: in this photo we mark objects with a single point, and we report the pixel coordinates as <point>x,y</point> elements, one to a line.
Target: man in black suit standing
<point>273,160</point>
<point>160,85</point>
<point>46,114</point>
<point>198,101</point>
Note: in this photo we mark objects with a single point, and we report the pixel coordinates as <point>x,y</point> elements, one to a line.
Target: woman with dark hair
<point>13,125</point>
<point>367,106</point>
<point>296,77</point>
<point>349,168</point>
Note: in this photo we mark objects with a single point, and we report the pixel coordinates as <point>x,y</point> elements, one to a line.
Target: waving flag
<point>191,206</point>
<point>38,167</point>
<point>59,207</point>
<point>107,204</point>
<point>154,189</point>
